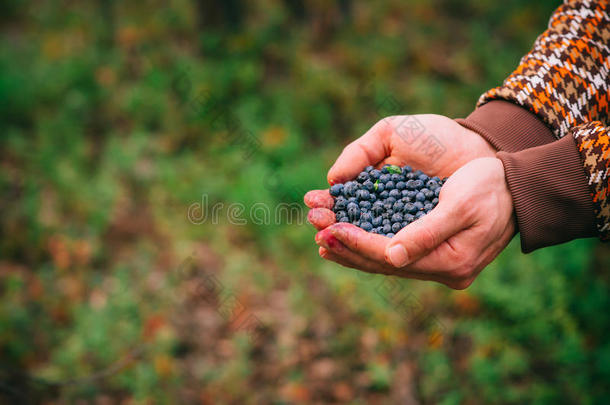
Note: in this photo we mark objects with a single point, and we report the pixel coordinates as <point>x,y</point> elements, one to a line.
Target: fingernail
<point>398,256</point>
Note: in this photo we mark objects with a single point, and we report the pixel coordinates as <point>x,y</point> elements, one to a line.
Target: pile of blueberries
<point>385,201</point>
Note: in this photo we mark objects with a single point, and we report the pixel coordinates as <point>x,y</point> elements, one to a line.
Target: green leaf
<point>394,169</point>
<point>376,184</point>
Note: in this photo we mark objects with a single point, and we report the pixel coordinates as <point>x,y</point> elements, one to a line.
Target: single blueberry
<point>417,184</point>
<point>405,193</point>
<point>386,221</point>
<point>385,169</point>
<point>437,192</point>
<point>410,208</point>
<point>389,235</point>
<point>429,194</point>
<point>340,204</point>
<point>353,214</point>
<point>369,186</point>
<point>380,187</point>
<point>372,197</point>
<point>391,200</point>
<point>362,194</point>
<point>368,169</point>
<point>396,177</point>
<point>396,226</point>
<point>366,226</point>
<point>340,214</point>
<point>362,177</point>
<point>435,201</point>
<point>377,208</point>
<point>365,205</point>
<point>401,185</point>
<point>395,194</point>
<point>375,174</point>
<point>384,194</point>
<point>389,185</point>
<point>431,184</point>
<point>384,178</point>
<point>336,190</point>
<point>352,205</point>
<point>424,178</point>
<point>428,207</point>
<point>420,197</point>
<point>418,205</point>
<point>398,206</point>
<point>366,217</point>
<point>386,229</point>
<point>419,215</point>
<point>409,218</point>
<point>396,218</point>
<point>376,221</point>
<point>352,199</point>
<point>344,219</point>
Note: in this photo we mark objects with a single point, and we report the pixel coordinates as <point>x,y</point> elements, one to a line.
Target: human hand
<point>437,145</point>
<point>472,223</point>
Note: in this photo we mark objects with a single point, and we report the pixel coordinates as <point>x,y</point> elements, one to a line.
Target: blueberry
<point>396,226</point>
<point>398,206</point>
<point>385,169</point>
<point>352,199</point>
<point>420,197</point>
<point>419,215</point>
<point>432,184</point>
<point>417,184</point>
<point>389,235</point>
<point>435,201</point>
<point>418,205</point>
<point>369,186</point>
<point>366,226</point>
<point>377,208</point>
<point>353,213</point>
<point>380,187</point>
<point>428,207</point>
<point>362,177</point>
<point>395,194</point>
<point>365,205</point>
<point>372,198</point>
<point>352,205</point>
<point>362,194</point>
<point>406,170</point>
<point>385,215</point>
<point>386,221</point>
<point>424,178</point>
<point>409,218</point>
<point>389,185</point>
<point>375,174</point>
<point>366,217</point>
<point>376,221</point>
<point>405,193</point>
<point>349,189</point>
<point>410,208</point>
<point>396,218</point>
<point>401,185</point>
<point>344,219</point>
<point>340,214</point>
<point>410,184</point>
<point>437,192</point>
<point>396,177</point>
<point>336,190</point>
<point>418,173</point>
<point>410,176</point>
<point>405,223</point>
<point>384,194</point>
<point>386,229</point>
<point>368,169</point>
<point>340,204</point>
<point>429,194</point>
<point>384,178</point>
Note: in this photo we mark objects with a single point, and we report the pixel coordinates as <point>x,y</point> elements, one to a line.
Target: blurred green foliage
<point>110,132</point>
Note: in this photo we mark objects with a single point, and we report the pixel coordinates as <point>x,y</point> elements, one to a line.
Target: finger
<point>369,149</point>
<point>369,245</point>
<point>339,253</point>
<point>319,199</point>
<point>421,237</point>
<point>321,218</point>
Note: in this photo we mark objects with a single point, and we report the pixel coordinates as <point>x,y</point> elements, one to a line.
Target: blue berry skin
<point>429,194</point>
<point>368,169</point>
<point>376,222</point>
<point>431,184</point>
<point>428,207</point>
<point>395,177</point>
<point>386,229</point>
<point>390,235</point>
<point>366,217</point>
<point>340,204</point>
<point>418,205</point>
<point>349,189</point>
<point>410,208</point>
<point>386,221</point>
<point>352,199</point>
<point>344,219</point>
<point>340,214</point>
<point>411,194</point>
<point>405,223</point>
<point>375,174</point>
<point>396,226</point>
<point>406,170</point>
<point>395,194</point>
<point>387,206</point>
<point>377,208</point>
<point>362,177</point>
<point>401,185</point>
<point>365,205</point>
<point>398,206</point>
<point>420,197</point>
<point>352,205</point>
<point>336,190</point>
<point>419,215</point>
<point>437,192</point>
<point>391,200</point>
<point>410,184</point>
<point>424,178</point>
<point>435,201</point>
<point>384,194</point>
<point>385,215</point>
<point>418,173</point>
<point>385,168</point>
<point>410,176</point>
<point>417,184</point>
<point>362,194</point>
<point>384,178</point>
<point>380,187</point>
<point>389,185</point>
<point>372,197</point>
<point>353,213</point>
<point>369,186</point>
<point>366,226</point>
<point>405,193</point>
<point>396,218</point>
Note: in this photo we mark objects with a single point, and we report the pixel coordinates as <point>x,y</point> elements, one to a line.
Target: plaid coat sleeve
<point>564,80</point>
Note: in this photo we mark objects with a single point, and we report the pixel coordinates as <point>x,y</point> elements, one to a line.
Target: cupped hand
<point>434,144</point>
<point>472,223</point>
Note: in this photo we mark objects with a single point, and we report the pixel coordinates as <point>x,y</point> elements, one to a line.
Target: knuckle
<point>427,238</point>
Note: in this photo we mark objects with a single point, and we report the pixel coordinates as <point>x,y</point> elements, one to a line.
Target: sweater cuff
<point>507,126</point>
<point>550,193</point>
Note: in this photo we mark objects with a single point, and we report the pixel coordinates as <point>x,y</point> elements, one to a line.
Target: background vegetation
<point>116,117</point>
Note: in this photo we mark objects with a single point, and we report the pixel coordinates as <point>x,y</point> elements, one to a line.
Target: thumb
<point>423,236</point>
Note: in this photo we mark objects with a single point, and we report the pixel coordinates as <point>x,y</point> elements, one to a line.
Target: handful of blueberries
<point>385,201</point>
